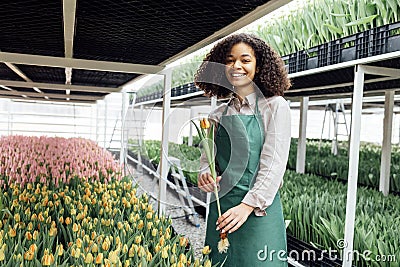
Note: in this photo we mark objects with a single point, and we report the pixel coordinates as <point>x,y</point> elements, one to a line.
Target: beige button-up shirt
<point>275,112</point>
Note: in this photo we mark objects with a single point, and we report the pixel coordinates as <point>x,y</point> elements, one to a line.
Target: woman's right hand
<point>206,182</point>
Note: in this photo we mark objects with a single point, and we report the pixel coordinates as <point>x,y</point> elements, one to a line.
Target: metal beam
<point>69,10</point>
<point>346,64</point>
<point>75,63</point>
<point>332,86</point>
<point>383,71</point>
<point>53,86</point>
<point>52,96</point>
<point>41,99</point>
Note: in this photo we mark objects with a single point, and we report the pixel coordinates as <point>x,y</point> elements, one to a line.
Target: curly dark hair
<point>271,79</point>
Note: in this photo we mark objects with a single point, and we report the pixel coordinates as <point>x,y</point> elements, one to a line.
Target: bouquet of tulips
<point>206,134</point>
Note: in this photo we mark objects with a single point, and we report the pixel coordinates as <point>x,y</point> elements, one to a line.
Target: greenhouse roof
<point>80,51</point>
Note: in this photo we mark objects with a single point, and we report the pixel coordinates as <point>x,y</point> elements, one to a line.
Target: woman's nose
<point>237,64</point>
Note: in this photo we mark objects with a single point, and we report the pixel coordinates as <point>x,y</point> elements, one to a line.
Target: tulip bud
<point>204,123</point>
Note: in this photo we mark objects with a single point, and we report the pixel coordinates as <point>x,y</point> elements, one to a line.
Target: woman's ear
<point>257,69</point>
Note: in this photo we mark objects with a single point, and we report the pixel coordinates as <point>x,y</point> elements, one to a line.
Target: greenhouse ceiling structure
<point>80,51</point>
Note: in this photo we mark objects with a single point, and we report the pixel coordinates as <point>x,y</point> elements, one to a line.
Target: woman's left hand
<point>233,218</point>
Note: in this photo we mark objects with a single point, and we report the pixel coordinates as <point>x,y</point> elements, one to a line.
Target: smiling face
<point>241,66</point>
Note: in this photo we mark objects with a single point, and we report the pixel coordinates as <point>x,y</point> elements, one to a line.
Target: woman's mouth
<point>238,74</point>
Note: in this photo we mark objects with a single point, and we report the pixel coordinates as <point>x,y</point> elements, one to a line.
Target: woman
<point>252,140</point>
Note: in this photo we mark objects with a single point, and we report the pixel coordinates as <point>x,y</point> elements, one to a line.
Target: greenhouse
<point>100,160</point>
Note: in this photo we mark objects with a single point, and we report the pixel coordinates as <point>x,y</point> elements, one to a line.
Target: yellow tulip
<point>12,232</point>
<point>99,258</point>
<point>182,258</point>
<point>28,235</point>
<point>78,242</point>
<point>95,248</point>
<point>113,257</point>
<point>207,263</point>
<point>149,256</point>
<point>154,232</point>
<point>17,217</point>
<point>138,239</point>
<point>2,254</point>
<point>40,217</point>
<point>106,245</point>
<point>28,255</point>
<point>162,240</point>
<point>140,224</point>
<point>204,123</point>
<point>60,249</point>
<point>68,221</point>
<point>89,258</point>
<point>131,252</point>
<point>183,241</point>
<point>52,231</point>
<point>164,252</point>
<point>206,250</point>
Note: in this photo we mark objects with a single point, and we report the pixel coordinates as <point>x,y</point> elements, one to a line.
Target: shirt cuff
<point>253,200</point>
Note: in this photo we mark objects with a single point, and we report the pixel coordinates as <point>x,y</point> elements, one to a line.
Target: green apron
<point>239,140</point>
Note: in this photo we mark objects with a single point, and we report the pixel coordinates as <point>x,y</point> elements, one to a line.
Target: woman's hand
<point>233,218</point>
<point>206,182</point>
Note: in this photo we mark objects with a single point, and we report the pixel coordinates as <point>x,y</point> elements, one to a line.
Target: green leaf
<point>333,28</point>
<point>361,21</point>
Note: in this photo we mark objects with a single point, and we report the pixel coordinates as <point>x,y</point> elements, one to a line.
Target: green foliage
<point>321,21</point>
<point>320,161</point>
<point>189,156</point>
<point>316,208</point>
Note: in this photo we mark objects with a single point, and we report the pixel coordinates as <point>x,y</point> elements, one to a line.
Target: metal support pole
<point>213,103</point>
<point>301,145</point>
<point>165,138</point>
<point>105,123</point>
<point>384,182</point>
<point>9,119</point>
<point>141,133</point>
<point>97,122</point>
<point>353,166</point>
<point>190,138</point>
<point>122,152</point>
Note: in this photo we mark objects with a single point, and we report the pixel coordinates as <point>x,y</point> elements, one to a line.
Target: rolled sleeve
<point>273,158</point>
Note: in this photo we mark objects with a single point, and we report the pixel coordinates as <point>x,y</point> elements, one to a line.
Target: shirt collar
<point>249,100</point>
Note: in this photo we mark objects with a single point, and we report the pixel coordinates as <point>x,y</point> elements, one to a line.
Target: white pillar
<point>105,123</point>
<point>301,145</point>
<point>190,138</point>
<point>213,103</point>
<point>384,181</point>
<point>141,133</point>
<point>123,143</point>
<point>165,138</point>
<point>97,122</point>
<point>353,166</point>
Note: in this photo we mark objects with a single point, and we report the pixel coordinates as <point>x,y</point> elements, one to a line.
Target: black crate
<point>376,41</point>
